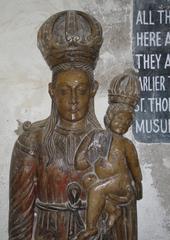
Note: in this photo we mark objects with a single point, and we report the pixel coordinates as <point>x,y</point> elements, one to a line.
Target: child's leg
<point>97,200</point>
<point>95,205</point>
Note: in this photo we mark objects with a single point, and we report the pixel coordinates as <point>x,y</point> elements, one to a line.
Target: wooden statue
<point>113,176</point>
<point>48,187</point>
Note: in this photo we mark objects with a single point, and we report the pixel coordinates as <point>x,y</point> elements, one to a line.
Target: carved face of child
<point>120,122</point>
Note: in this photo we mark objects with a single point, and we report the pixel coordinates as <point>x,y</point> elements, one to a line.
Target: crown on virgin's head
<point>70,36</point>
<point>125,88</point>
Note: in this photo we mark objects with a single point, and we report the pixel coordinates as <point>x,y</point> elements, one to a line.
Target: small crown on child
<point>125,88</point>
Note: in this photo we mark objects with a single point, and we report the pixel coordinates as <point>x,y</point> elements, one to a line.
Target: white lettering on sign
<point>167,40</point>
<point>144,18</point>
<point>153,126</point>
<point>159,104</point>
<point>140,105</point>
<point>148,61</point>
<point>152,83</point>
<point>164,16</point>
<point>167,62</point>
<point>148,39</point>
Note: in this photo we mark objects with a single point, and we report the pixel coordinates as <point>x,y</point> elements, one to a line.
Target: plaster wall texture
<point>24,78</point>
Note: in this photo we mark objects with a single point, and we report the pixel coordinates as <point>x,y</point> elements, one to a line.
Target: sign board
<point>151,54</point>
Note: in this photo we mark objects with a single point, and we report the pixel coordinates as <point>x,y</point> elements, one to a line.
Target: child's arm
<point>134,167</point>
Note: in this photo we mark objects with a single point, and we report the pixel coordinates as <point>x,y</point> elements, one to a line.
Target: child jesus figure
<point>110,183</point>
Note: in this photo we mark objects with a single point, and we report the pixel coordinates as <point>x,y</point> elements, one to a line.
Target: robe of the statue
<point>42,202</point>
<point>46,198</point>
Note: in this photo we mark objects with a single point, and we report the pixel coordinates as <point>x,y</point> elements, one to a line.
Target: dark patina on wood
<point>70,179</point>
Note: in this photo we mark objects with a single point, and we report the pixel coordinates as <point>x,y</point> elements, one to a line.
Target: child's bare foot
<point>86,234</point>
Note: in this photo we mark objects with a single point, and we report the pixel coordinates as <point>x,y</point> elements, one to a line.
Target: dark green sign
<point>151,53</point>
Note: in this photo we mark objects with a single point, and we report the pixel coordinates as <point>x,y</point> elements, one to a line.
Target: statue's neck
<point>72,126</point>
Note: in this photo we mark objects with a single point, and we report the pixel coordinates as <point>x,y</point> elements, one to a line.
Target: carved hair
<point>74,65</point>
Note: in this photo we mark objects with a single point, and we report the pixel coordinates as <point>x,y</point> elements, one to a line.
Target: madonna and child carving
<point>69,178</point>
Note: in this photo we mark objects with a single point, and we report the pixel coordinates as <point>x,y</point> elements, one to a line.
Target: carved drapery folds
<point>55,159</point>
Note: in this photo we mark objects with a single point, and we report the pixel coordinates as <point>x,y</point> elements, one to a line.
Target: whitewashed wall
<point>24,77</point>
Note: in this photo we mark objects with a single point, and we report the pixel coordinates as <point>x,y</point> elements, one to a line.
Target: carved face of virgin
<point>71,91</point>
